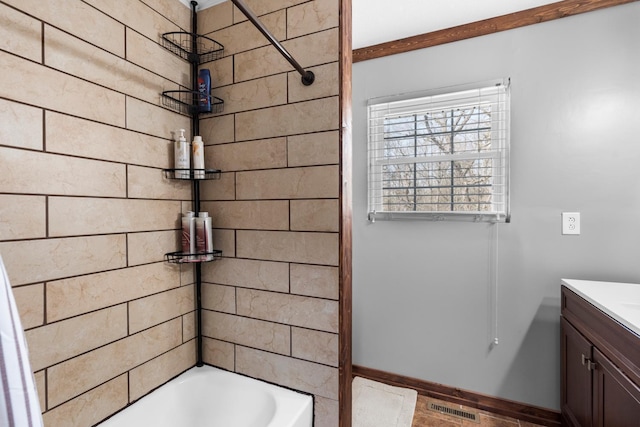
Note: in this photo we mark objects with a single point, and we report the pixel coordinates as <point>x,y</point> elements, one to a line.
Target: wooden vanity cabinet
<point>600,367</point>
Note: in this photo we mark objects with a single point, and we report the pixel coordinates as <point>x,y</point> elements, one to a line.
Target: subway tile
<point>186,274</point>
<point>326,412</point>
<point>245,36</point>
<point>77,18</point>
<point>256,215</point>
<point>215,17</point>
<point>260,7</point>
<point>326,83</point>
<point>293,373</point>
<point>77,295</point>
<point>20,34</point>
<point>314,49</point>
<point>78,137</point>
<point>151,246</point>
<point>56,174</point>
<point>253,94</point>
<point>261,154</point>
<point>21,125</point>
<point>30,303</point>
<point>175,11</point>
<point>91,407</point>
<point>217,130</point>
<point>219,298</point>
<point>221,72</point>
<point>245,273</point>
<point>188,327</point>
<point>292,183</point>
<point>81,59</point>
<point>315,346</point>
<point>302,117</point>
<point>250,332</point>
<point>300,247</point>
<point>225,240</point>
<point>295,310</point>
<point>149,183</point>
<point>39,378</point>
<point>59,341</point>
<point>163,368</point>
<point>49,259</point>
<point>158,308</point>
<point>315,215</point>
<point>139,16</point>
<point>153,57</point>
<point>312,17</point>
<point>315,281</point>
<point>75,376</point>
<point>219,189</point>
<point>109,215</point>
<point>24,217</point>
<point>59,91</point>
<point>218,353</point>
<point>154,120</point>
<point>319,148</point>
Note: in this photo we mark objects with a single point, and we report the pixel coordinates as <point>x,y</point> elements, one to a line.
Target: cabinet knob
<point>591,366</point>
<point>584,359</point>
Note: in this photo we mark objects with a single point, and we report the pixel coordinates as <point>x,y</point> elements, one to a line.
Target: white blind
<point>441,155</point>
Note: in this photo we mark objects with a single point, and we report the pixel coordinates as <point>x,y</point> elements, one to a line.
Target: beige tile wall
<point>85,213</point>
<point>272,303</point>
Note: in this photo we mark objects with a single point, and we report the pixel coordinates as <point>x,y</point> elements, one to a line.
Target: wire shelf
<point>184,257</point>
<point>191,174</point>
<point>182,44</point>
<point>189,102</point>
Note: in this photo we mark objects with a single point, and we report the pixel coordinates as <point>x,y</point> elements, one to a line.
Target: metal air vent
<point>454,412</point>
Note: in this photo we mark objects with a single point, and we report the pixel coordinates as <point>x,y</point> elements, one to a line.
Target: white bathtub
<point>211,397</point>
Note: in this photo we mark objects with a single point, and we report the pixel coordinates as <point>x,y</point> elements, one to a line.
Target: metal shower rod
<point>307,76</point>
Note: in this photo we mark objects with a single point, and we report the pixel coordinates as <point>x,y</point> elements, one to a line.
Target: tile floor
<point>424,417</point>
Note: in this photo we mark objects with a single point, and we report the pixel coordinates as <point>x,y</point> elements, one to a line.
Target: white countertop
<point>620,301</point>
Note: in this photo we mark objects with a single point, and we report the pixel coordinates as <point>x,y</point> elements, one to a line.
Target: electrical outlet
<point>570,222</point>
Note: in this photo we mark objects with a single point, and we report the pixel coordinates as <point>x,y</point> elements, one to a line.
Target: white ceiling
<point>379,21</point>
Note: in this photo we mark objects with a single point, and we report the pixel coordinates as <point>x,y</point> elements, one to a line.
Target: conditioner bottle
<point>197,147</point>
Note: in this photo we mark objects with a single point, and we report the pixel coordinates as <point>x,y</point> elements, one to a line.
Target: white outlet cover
<point>570,222</point>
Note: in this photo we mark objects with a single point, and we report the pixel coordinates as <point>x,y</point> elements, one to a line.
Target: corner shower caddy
<point>196,49</point>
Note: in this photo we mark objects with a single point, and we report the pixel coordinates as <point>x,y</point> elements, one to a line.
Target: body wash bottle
<point>182,154</point>
<point>204,87</point>
<point>198,157</point>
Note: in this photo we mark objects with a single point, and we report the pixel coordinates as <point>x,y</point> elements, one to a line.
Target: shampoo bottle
<point>198,157</point>
<point>208,229</point>
<point>189,234</point>
<point>201,234</point>
<point>204,87</point>
<point>182,154</point>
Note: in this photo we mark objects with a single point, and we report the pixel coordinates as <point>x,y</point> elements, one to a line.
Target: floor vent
<point>459,413</point>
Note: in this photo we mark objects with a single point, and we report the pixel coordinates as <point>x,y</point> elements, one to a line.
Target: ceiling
<point>379,21</point>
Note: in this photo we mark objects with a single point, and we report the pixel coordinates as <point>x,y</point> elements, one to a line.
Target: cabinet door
<point>576,379</point>
<point>616,399</point>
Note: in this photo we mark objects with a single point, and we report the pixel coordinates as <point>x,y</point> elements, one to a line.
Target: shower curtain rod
<point>307,76</point>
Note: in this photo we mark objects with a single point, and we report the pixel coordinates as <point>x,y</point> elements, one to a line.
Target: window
<point>441,155</point>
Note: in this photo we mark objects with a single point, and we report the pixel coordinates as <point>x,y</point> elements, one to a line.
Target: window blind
<point>441,155</point>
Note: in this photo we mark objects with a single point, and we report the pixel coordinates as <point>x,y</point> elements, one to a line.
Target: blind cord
<point>495,285</point>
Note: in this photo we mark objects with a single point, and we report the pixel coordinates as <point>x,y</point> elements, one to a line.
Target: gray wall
<point>422,303</point>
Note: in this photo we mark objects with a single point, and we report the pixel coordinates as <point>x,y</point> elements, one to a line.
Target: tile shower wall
<point>85,214</point>
<point>271,304</point>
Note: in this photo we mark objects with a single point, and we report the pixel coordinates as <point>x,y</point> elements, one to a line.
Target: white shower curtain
<point>19,405</point>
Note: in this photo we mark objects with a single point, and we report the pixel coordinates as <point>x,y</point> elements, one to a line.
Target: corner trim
<point>520,411</point>
<point>536,15</point>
